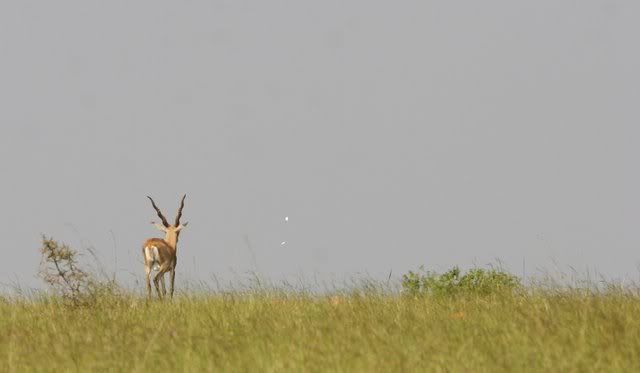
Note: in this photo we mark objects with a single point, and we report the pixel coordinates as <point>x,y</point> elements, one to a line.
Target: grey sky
<point>392,134</point>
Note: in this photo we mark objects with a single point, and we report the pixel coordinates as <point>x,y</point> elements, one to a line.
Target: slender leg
<point>173,278</point>
<point>156,281</point>
<point>147,270</point>
<point>164,287</point>
<point>160,278</point>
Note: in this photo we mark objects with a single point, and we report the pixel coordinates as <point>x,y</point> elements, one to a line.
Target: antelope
<point>160,254</point>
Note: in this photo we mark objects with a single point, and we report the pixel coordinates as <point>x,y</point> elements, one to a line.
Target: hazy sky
<point>392,133</point>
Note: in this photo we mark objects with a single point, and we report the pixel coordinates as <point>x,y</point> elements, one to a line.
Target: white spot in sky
<point>286,218</point>
<point>283,243</point>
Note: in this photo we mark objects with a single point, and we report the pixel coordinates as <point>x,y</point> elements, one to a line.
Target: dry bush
<point>59,269</point>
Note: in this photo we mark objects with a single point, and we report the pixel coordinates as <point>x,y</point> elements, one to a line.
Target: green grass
<point>362,331</point>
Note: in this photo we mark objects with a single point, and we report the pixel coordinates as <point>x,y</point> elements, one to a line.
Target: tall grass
<point>482,320</point>
<point>373,330</point>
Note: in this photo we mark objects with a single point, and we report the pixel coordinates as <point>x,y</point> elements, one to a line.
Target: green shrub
<point>476,281</point>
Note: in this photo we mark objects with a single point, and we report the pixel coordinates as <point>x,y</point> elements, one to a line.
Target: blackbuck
<point>160,254</point>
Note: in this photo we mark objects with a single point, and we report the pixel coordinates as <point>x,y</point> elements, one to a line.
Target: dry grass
<point>279,331</point>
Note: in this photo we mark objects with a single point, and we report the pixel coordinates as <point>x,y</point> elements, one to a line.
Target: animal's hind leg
<point>160,278</point>
<point>156,280</point>
<point>164,287</point>
<point>147,270</point>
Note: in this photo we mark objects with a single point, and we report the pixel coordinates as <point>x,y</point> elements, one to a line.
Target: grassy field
<point>357,331</point>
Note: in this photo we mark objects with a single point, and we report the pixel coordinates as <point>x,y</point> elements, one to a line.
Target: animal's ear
<point>181,226</point>
<point>159,226</point>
